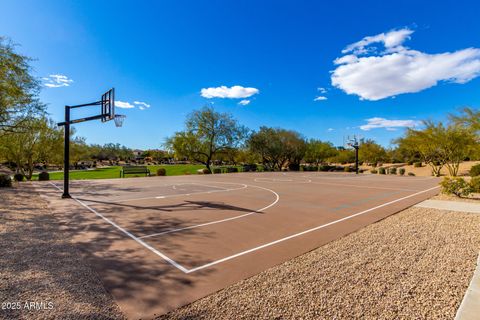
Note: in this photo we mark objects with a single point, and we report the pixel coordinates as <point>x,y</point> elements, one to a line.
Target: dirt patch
<point>413,265</point>
<point>42,273</point>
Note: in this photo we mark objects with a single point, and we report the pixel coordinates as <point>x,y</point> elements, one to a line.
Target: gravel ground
<point>38,264</point>
<point>474,198</point>
<point>414,265</point>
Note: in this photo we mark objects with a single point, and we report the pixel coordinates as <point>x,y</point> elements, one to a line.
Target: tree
<point>343,156</point>
<point>468,118</point>
<point>457,144</point>
<point>427,144</point>
<point>318,151</point>
<point>440,146</point>
<point>30,144</point>
<point>277,147</point>
<point>371,152</point>
<point>207,133</point>
<point>18,90</point>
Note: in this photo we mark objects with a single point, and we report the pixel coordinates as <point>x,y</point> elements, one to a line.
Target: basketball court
<point>162,242</point>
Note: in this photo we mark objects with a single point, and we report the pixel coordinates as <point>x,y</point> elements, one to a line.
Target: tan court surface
<point>161,242</point>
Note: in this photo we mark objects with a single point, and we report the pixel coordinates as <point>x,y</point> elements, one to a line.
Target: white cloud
<point>374,75</point>
<point>330,129</point>
<point>142,105</point>
<point>390,40</point>
<point>391,125</point>
<point>124,105</point>
<point>320,98</point>
<point>244,102</point>
<point>322,90</point>
<point>235,92</point>
<point>57,81</point>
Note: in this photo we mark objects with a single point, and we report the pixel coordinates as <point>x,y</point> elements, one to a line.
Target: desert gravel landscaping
<point>413,265</point>
<point>39,264</point>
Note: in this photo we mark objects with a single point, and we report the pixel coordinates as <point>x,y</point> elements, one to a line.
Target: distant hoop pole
<point>356,157</point>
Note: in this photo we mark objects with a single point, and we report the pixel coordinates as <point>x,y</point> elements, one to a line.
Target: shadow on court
<point>124,269</point>
<point>185,205</point>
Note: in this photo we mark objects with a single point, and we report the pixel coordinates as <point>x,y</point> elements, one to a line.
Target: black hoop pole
<point>356,158</point>
<point>66,155</point>
<point>66,125</point>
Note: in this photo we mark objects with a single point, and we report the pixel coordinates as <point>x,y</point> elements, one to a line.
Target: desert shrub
<point>293,167</point>
<point>392,171</point>
<point>18,177</point>
<point>475,170</point>
<point>232,169</point>
<point>347,169</point>
<point>417,164</point>
<point>5,181</point>
<point>250,167</point>
<point>161,172</point>
<point>401,171</point>
<point>43,176</point>
<point>456,186</point>
<point>373,171</point>
<point>475,184</point>
<point>325,168</point>
<point>217,170</point>
<point>411,174</point>
<point>381,170</point>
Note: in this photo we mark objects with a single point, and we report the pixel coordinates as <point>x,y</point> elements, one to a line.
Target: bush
<point>232,169</point>
<point>410,162</point>
<point>456,186</point>
<point>417,165</point>
<point>204,171</point>
<point>347,169</point>
<point>43,176</point>
<point>411,174</point>
<point>5,181</point>
<point>217,170</point>
<point>325,168</point>
<point>475,184</point>
<point>373,171</point>
<point>18,177</point>
<point>293,167</point>
<point>381,170</point>
<point>161,172</point>
<point>401,171</point>
<point>249,167</point>
<point>475,170</point>
<point>392,171</point>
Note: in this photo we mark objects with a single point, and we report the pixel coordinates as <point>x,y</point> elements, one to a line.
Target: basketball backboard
<point>108,105</point>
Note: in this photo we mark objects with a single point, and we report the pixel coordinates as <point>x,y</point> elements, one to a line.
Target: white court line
<point>184,194</point>
<point>163,256</point>
<point>185,270</point>
<point>368,177</point>
<point>304,232</point>
<point>281,180</point>
<point>218,221</point>
<point>362,187</point>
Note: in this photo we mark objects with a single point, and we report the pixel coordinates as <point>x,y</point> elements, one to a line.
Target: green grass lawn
<point>114,172</point>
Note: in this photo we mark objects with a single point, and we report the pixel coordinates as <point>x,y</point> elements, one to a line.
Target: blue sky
<point>402,62</point>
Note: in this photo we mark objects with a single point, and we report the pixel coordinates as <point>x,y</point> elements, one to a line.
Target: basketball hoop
<point>119,118</point>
